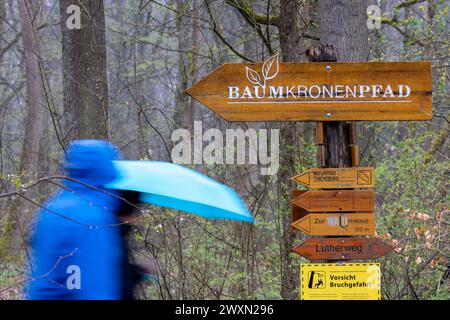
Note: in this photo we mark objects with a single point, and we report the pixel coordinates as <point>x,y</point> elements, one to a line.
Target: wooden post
<point>336,144</point>
<point>354,149</point>
<point>335,136</point>
<point>319,143</point>
<point>344,38</point>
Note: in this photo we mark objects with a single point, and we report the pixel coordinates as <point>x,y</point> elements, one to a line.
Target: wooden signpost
<point>336,200</point>
<point>342,248</point>
<point>327,92</point>
<point>337,224</point>
<point>297,212</point>
<point>337,178</point>
<point>274,91</point>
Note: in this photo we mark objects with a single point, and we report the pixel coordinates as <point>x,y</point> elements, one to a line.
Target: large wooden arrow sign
<point>273,91</point>
<point>337,224</point>
<point>342,248</point>
<point>336,200</point>
<point>337,178</point>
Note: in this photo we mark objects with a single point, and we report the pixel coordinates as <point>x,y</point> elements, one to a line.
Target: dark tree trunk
<point>85,85</point>
<point>292,19</point>
<point>182,112</point>
<point>289,30</point>
<point>196,35</point>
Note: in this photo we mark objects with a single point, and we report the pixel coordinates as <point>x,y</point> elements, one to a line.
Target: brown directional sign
<point>342,248</point>
<point>297,212</point>
<point>274,91</point>
<point>336,200</point>
<point>337,224</point>
<point>337,178</point>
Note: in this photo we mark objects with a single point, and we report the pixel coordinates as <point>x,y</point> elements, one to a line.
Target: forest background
<point>123,77</point>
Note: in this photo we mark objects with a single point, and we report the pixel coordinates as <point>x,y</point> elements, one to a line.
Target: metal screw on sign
<point>328,115</point>
<point>328,68</point>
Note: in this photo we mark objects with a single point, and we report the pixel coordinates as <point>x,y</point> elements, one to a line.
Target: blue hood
<point>90,161</point>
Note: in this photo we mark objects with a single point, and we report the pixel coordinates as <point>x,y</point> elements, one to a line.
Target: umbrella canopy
<point>173,186</point>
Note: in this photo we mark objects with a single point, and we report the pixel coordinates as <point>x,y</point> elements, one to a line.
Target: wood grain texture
<point>319,133</point>
<point>354,152</point>
<point>337,178</point>
<point>212,91</point>
<point>320,157</point>
<point>337,224</point>
<point>342,248</point>
<point>336,200</point>
<point>297,212</point>
<point>336,143</point>
<point>353,134</point>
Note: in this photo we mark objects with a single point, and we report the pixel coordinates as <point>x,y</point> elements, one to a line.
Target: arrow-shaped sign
<point>321,91</point>
<point>297,212</point>
<point>337,224</point>
<point>342,248</point>
<point>336,200</point>
<point>337,178</point>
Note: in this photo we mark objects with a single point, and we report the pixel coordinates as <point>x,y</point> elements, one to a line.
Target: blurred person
<point>77,252</point>
<point>133,272</point>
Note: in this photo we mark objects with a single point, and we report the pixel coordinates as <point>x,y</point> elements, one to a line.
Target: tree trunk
<point>196,35</point>
<point>2,18</point>
<point>85,86</point>
<point>292,19</point>
<point>20,213</point>
<point>35,89</point>
<point>182,113</point>
<point>342,25</point>
<point>289,30</point>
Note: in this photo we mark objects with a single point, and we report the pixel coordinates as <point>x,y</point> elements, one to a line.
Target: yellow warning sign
<point>333,281</point>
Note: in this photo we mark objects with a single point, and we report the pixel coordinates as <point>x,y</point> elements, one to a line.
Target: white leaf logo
<point>269,71</point>
<point>271,67</point>
<point>253,76</point>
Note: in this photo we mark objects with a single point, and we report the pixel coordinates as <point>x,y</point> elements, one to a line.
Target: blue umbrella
<point>173,186</point>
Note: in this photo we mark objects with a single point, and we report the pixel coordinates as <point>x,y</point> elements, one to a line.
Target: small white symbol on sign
<point>269,71</point>
<point>332,221</point>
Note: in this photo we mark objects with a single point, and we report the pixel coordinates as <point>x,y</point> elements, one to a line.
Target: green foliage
<point>412,214</point>
<point>151,61</point>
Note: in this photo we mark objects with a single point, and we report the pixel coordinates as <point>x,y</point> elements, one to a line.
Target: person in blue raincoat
<point>77,252</point>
